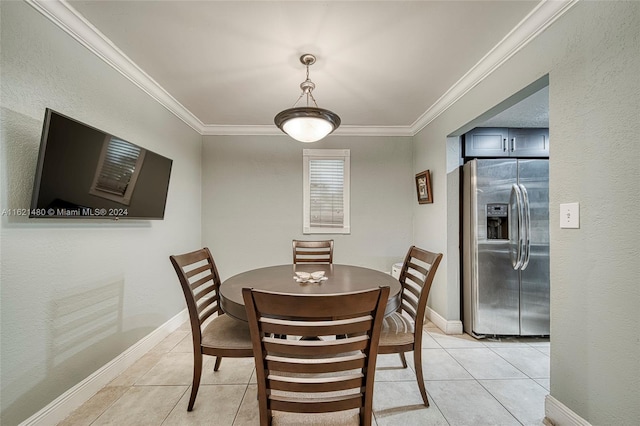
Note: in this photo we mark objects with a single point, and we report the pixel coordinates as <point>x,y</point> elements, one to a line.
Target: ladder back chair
<point>219,336</point>
<point>402,331</point>
<point>315,376</point>
<point>312,251</point>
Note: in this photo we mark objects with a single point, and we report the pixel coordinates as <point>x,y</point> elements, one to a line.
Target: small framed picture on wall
<point>423,187</point>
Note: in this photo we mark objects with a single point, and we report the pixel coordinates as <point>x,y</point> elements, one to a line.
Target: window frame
<point>326,154</point>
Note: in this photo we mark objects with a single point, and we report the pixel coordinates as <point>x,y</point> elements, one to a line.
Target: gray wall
<point>592,56</point>
<point>75,294</point>
<point>595,272</point>
<point>252,200</point>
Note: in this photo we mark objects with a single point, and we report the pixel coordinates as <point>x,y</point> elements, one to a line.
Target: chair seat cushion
<point>226,332</point>
<point>397,329</point>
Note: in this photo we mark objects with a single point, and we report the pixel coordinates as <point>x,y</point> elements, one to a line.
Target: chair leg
<point>218,361</point>
<point>197,372</point>
<point>403,359</point>
<point>266,417</point>
<point>366,412</point>
<point>417,358</point>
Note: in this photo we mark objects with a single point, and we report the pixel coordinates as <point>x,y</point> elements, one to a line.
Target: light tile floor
<point>469,382</point>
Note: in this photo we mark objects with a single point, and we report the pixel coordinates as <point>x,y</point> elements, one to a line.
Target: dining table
<point>283,279</point>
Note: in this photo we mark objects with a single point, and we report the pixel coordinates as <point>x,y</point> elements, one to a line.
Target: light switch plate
<point>570,215</point>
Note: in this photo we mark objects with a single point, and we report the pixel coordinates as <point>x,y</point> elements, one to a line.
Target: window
<point>118,169</point>
<point>326,191</point>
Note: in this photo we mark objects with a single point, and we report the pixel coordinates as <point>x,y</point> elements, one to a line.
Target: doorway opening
<point>526,109</point>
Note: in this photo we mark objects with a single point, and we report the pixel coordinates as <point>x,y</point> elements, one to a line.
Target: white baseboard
<point>61,407</point>
<point>448,327</point>
<point>558,414</point>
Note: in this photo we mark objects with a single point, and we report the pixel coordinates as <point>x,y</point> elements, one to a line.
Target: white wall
<point>592,56</point>
<point>252,200</point>
<point>57,275</point>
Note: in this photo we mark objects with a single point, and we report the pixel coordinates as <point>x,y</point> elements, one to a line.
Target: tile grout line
<point>501,404</point>
<point>175,405</point>
<point>478,380</point>
<point>480,383</point>
<point>520,370</point>
<point>473,378</point>
<point>246,391</point>
<point>433,401</point>
<point>106,408</point>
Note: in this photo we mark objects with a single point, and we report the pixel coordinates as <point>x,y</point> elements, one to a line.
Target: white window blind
<point>326,191</point>
<point>118,167</point>
<point>117,170</point>
<point>326,187</point>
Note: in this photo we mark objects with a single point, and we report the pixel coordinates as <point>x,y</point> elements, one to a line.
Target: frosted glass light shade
<point>307,129</point>
<point>307,124</point>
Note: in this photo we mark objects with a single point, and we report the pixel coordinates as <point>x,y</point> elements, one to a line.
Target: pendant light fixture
<point>307,123</point>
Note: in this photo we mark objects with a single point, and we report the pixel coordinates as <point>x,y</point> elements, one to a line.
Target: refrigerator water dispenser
<point>497,221</point>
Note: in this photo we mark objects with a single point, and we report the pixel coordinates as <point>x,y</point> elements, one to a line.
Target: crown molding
<point>541,17</point>
<point>69,20</point>
<point>268,130</point>
<point>374,131</point>
<point>227,130</point>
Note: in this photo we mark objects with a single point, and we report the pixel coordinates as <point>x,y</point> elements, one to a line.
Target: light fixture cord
<point>296,102</point>
<point>310,95</point>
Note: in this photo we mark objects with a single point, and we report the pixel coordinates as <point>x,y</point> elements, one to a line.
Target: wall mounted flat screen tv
<point>86,173</point>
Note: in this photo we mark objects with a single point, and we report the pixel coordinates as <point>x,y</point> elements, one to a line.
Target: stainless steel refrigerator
<point>506,247</point>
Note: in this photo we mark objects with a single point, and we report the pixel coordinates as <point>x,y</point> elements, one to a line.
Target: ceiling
<point>532,111</point>
<point>228,67</point>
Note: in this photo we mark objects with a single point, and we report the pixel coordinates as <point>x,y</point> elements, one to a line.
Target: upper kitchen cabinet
<point>529,142</point>
<point>503,142</point>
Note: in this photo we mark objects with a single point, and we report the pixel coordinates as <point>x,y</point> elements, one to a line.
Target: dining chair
<point>219,335</point>
<point>313,251</point>
<point>315,376</point>
<point>402,331</point>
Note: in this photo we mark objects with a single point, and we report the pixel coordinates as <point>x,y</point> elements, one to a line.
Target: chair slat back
<point>327,364</point>
<point>416,277</point>
<point>200,284</point>
<point>312,251</point>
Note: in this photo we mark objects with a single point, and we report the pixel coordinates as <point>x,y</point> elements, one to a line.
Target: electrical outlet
<point>570,215</point>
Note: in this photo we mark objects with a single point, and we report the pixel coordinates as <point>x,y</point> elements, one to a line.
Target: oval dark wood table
<point>340,279</point>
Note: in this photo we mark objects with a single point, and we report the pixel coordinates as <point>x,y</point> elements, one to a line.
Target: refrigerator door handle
<point>515,227</point>
<point>526,228</point>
